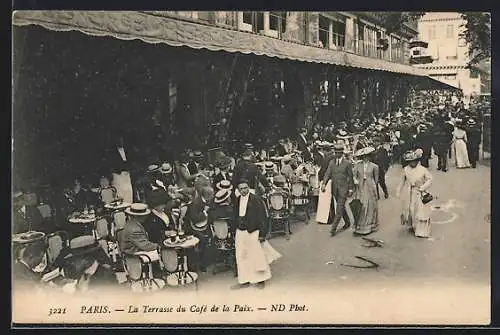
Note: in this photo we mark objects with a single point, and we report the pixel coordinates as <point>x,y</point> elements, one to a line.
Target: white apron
<point>253,258</point>
<point>123,185</point>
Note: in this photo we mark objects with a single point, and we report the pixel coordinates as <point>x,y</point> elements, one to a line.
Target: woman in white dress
<point>460,146</point>
<point>415,180</point>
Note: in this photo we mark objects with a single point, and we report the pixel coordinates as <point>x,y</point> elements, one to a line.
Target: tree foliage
<point>477,31</point>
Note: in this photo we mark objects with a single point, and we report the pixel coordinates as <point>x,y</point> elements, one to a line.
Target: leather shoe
<point>346,227</point>
<point>386,196</point>
<point>239,286</point>
<point>261,285</point>
<point>333,233</point>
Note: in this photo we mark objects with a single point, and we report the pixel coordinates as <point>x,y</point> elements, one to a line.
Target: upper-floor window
<point>449,31</point>
<point>277,21</point>
<point>432,32</point>
<point>331,32</point>
<point>225,18</point>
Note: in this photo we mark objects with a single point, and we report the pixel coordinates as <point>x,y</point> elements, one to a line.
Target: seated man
<point>159,222</point>
<point>29,264</point>
<point>135,237</point>
<point>26,215</point>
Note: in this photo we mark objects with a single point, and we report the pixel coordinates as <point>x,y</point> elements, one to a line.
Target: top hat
<point>138,209</point>
<point>364,151</point>
<point>222,195</point>
<point>166,168</point>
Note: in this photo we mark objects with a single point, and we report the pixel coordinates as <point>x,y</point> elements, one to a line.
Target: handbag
<point>426,197</point>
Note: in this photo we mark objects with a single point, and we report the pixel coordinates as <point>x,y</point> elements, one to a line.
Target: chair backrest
<point>298,189</point>
<point>221,228</point>
<point>108,194</point>
<point>277,201</point>
<point>169,259</point>
<point>102,228</point>
<point>120,219</point>
<point>133,266</point>
<point>56,242</point>
<point>119,238</point>
<point>45,211</point>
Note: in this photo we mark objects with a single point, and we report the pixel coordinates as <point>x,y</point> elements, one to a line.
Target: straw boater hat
<point>269,166</point>
<point>224,185</point>
<point>138,209</point>
<point>153,168</point>
<point>222,195</point>
<point>412,155</point>
<point>166,168</point>
<point>471,122</point>
<point>364,151</point>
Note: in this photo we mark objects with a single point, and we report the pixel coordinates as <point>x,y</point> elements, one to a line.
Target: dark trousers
<point>381,182</point>
<point>443,161</point>
<point>339,212</point>
<point>425,159</point>
<point>473,152</point>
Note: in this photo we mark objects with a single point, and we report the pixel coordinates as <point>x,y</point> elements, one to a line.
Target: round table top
<point>117,206</point>
<point>82,218</point>
<point>190,242</point>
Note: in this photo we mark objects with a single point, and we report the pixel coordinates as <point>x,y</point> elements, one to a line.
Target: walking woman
<point>460,146</point>
<point>415,180</point>
<point>366,176</point>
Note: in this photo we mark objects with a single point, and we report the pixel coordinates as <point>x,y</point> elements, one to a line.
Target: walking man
<point>381,158</point>
<point>339,171</point>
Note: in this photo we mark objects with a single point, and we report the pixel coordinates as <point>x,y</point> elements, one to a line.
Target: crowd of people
<point>343,165</point>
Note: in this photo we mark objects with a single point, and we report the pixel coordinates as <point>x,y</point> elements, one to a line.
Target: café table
<point>182,276</point>
<point>87,220</point>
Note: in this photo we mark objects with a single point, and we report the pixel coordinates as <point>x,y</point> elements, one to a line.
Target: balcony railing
<point>295,27</point>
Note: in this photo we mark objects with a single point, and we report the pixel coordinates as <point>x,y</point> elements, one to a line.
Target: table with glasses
<point>182,276</point>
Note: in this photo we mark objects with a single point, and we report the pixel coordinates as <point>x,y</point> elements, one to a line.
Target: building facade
<point>448,51</point>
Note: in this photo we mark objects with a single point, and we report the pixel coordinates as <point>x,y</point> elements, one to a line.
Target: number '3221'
<point>53,311</point>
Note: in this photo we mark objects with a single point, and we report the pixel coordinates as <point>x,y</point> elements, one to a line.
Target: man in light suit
<point>339,171</point>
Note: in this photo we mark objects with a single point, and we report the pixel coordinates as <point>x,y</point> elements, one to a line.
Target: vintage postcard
<point>258,168</point>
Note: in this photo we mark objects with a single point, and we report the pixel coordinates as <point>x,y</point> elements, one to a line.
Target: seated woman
<point>29,263</point>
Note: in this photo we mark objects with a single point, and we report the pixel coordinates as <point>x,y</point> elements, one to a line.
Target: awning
<point>128,25</point>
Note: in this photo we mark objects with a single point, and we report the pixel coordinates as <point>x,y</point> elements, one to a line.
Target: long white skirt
<point>324,201</point>
<point>461,155</point>
<point>123,185</point>
<point>252,259</point>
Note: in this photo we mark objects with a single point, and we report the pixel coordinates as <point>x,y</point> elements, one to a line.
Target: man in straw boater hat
<point>251,229</point>
<point>135,237</point>
<point>159,221</point>
<point>339,171</point>
<point>222,165</point>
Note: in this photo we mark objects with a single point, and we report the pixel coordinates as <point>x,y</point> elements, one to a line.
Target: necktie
<point>338,162</point>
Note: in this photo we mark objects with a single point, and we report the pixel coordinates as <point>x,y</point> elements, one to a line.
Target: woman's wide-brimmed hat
<point>364,151</point>
<point>222,195</point>
<point>224,185</point>
<point>413,155</point>
<point>166,168</point>
<point>138,209</point>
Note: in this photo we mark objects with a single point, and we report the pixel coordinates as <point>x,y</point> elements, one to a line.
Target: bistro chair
<point>225,257</point>
<point>278,204</point>
<point>300,197</point>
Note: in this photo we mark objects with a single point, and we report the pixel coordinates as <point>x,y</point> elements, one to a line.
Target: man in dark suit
<point>442,141</point>
<point>382,159</point>
<point>26,215</point>
<point>339,171</point>
<point>28,258</point>
<point>424,141</point>
<point>159,221</point>
<point>327,154</point>
<point>245,167</point>
<point>302,144</point>
<point>223,165</point>
<point>251,228</point>
<point>473,141</point>
<point>197,223</point>
<point>135,237</point>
